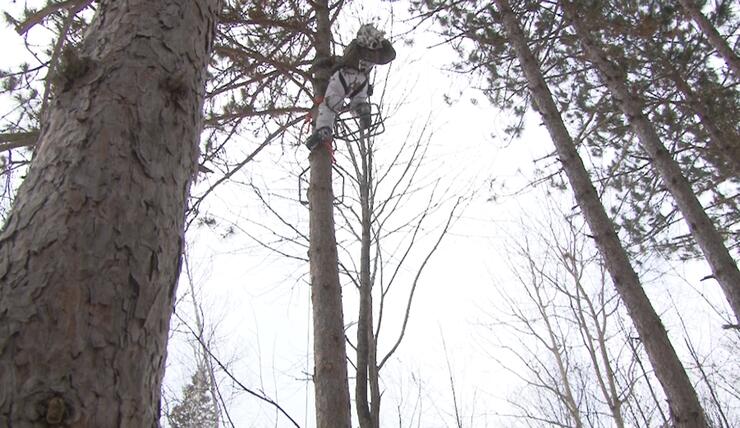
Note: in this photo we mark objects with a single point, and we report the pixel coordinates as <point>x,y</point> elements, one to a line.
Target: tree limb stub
<point>14,140</point>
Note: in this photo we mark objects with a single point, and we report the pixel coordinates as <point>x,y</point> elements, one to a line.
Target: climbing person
<point>350,80</point>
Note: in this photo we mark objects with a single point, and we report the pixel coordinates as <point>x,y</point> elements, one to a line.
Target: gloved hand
<point>363,111</point>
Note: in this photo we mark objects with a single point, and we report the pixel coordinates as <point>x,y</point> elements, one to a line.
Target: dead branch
<point>39,16</point>
<point>14,140</point>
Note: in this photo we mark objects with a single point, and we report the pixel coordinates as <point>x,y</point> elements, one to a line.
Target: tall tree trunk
<point>367,395</point>
<point>711,33</point>
<point>723,266</point>
<point>90,255</point>
<point>687,411</point>
<point>365,319</point>
<point>330,355</point>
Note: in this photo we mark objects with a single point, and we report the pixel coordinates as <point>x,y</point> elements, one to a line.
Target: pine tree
<point>90,254</point>
<point>330,356</point>
<point>701,227</point>
<point>686,410</point>
<point>196,408</point>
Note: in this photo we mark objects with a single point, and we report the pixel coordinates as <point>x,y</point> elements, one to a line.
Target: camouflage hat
<point>370,37</point>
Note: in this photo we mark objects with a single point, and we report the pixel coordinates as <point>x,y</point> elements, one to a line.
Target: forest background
<point>493,335</point>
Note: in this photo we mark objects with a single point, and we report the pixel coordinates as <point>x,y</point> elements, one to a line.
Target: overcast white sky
<point>265,299</point>
<point>258,302</point>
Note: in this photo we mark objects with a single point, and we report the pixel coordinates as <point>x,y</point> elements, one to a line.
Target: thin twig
<point>232,377</point>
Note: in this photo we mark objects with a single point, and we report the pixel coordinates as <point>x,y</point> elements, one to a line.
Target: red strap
<point>309,115</point>
<point>330,149</point>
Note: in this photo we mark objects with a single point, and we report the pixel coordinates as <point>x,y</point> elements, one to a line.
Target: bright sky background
<point>264,299</point>
<point>258,302</point>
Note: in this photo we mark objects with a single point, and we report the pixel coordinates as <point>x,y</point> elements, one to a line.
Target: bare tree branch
<point>260,395</point>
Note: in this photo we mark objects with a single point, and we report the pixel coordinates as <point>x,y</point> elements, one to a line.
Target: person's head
<point>374,49</point>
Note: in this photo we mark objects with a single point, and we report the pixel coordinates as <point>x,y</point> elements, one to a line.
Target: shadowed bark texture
<point>90,255</point>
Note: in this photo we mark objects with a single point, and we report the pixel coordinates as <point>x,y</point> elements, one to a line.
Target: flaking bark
<point>90,255</point>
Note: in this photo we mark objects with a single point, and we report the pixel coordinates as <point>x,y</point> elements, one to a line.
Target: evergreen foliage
<point>196,408</point>
<point>692,101</point>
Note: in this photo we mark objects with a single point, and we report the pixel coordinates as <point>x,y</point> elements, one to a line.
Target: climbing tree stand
<point>347,129</point>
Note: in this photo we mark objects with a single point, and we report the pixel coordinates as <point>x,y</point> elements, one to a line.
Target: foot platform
<point>347,126</point>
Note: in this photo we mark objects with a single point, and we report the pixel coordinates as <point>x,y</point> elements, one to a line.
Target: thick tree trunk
<point>90,255</point>
<point>330,356</point>
<point>723,266</point>
<point>711,33</point>
<point>687,411</point>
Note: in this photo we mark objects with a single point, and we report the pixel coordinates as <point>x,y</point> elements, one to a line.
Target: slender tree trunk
<point>374,380</point>
<point>723,266</point>
<point>367,389</point>
<point>365,319</point>
<point>711,33</point>
<point>90,255</point>
<point>330,355</point>
<point>373,371</point>
<point>687,411</point>
<point>607,386</point>
<point>202,345</point>
<point>564,392</point>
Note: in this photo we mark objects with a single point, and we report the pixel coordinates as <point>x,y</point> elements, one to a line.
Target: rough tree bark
<point>90,255</point>
<point>330,355</point>
<point>711,33</point>
<point>686,410</point>
<point>724,268</point>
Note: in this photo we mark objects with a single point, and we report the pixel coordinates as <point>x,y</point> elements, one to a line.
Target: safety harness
<point>347,87</point>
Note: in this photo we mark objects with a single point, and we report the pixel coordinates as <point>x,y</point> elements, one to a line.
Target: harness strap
<point>347,87</point>
<point>330,148</point>
<point>309,116</point>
